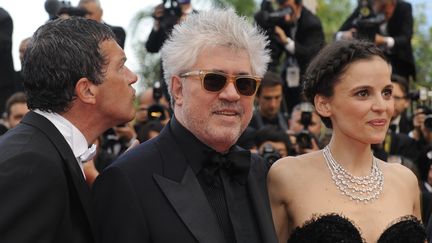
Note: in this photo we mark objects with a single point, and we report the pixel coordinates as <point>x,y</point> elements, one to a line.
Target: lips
<point>378,122</point>
<point>226,113</point>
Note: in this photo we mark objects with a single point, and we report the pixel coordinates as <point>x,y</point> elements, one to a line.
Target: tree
<point>332,14</point>
<point>422,46</point>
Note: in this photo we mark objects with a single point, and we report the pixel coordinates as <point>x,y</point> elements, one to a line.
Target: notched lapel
<point>190,203</point>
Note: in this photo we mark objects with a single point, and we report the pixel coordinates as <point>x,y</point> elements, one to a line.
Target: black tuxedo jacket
<point>151,194</point>
<point>400,27</point>
<point>44,197</point>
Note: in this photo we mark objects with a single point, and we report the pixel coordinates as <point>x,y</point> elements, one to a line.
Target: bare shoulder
<point>399,174</point>
<point>292,168</point>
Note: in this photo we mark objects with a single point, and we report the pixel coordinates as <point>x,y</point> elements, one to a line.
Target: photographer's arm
<point>405,25</point>
<point>157,35</point>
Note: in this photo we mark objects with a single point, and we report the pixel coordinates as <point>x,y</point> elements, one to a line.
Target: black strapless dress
<point>333,228</point>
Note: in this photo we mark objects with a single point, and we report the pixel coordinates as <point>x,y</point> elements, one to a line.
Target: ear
<point>177,90</point>
<point>322,105</point>
<point>86,91</point>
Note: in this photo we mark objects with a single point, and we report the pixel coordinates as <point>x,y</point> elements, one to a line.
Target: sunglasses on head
<point>214,81</point>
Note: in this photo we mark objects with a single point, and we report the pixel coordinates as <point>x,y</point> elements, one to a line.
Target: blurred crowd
<point>283,123</point>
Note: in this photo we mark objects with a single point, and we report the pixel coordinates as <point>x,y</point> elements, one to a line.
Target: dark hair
<point>16,98</point>
<point>325,70</point>
<point>143,133</point>
<point>270,133</point>
<point>403,83</point>
<point>60,53</point>
<point>270,79</point>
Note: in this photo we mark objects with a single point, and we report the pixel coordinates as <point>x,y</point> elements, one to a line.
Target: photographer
<point>304,128</point>
<point>392,32</point>
<point>152,105</point>
<point>400,122</point>
<point>273,144</point>
<point>94,11</point>
<point>295,31</point>
<point>269,98</point>
<point>164,20</point>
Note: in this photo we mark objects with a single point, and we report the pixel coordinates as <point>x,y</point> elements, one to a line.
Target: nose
<point>274,102</point>
<point>380,104</point>
<point>229,93</point>
<point>133,77</point>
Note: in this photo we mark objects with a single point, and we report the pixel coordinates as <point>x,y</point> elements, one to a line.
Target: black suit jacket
<point>309,39</point>
<point>7,71</point>
<point>400,27</point>
<point>151,194</point>
<point>44,197</point>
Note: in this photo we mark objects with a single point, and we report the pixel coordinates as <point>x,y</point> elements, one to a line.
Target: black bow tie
<point>235,164</point>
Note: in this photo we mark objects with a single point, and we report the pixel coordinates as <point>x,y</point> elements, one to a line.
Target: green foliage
<point>332,14</point>
<point>422,46</point>
<point>243,7</point>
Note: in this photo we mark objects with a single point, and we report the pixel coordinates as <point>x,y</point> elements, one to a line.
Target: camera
<point>267,18</point>
<point>171,14</point>
<point>156,111</point>
<point>303,138</point>
<point>269,154</point>
<point>55,8</point>
<point>421,94</point>
<point>368,21</point>
<point>428,119</point>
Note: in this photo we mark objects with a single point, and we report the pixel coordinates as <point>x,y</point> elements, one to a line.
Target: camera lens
<point>428,122</point>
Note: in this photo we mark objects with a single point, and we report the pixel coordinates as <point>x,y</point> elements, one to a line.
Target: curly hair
<point>219,27</point>
<point>327,68</point>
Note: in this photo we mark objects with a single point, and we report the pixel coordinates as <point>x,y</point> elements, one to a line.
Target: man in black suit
<point>6,63</point>
<point>191,183</point>
<point>70,68</point>
<point>299,36</point>
<point>95,12</point>
<point>393,34</point>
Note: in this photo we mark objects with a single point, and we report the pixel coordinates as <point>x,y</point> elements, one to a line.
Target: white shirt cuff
<point>390,42</point>
<point>290,46</point>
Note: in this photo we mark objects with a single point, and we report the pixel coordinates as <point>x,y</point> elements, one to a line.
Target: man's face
<point>94,11</point>
<point>291,3</point>
<point>17,112</point>
<point>116,95</point>
<point>401,102</point>
<point>216,119</point>
<point>269,101</point>
<point>279,147</point>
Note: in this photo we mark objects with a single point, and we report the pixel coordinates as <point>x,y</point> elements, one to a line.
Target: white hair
<point>222,27</point>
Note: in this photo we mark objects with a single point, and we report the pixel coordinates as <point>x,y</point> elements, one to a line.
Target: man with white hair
<point>192,183</point>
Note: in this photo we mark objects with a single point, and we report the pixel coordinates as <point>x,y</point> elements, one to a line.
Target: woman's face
<point>362,105</point>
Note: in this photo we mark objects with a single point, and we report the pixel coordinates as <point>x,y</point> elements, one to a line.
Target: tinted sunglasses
<point>214,81</point>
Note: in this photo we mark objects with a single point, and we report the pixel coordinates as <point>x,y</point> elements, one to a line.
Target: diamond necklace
<point>358,188</point>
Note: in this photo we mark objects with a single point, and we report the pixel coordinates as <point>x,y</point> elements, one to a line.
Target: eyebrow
<point>390,86</point>
<point>239,73</point>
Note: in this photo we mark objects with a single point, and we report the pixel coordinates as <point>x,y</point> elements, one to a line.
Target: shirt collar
<point>72,135</point>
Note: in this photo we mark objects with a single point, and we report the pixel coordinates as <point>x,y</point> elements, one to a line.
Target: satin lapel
<point>192,206</point>
<point>262,211</point>
<point>45,126</point>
